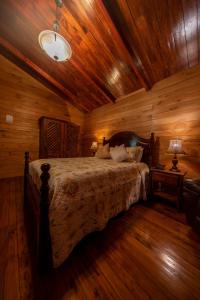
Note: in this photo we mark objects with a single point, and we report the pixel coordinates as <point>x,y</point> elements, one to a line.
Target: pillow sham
<point>103,151</point>
<point>119,153</point>
<point>135,153</point>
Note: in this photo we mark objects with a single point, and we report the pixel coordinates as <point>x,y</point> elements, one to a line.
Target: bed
<point>67,198</point>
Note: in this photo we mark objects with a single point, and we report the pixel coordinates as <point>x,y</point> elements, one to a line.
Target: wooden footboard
<point>37,209</point>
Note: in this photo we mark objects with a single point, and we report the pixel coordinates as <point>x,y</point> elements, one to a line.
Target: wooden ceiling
<point>119,46</point>
<point>164,35</point>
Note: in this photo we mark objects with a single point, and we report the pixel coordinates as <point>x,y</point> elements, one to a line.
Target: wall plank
<point>170,109</point>
<point>26,100</point>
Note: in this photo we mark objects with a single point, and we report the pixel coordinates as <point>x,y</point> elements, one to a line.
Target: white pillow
<point>135,153</point>
<point>103,151</point>
<point>119,153</point>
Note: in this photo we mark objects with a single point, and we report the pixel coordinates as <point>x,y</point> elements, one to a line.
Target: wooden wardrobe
<point>58,138</point>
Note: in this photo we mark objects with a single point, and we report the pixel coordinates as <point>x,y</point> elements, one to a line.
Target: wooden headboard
<point>130,139</point>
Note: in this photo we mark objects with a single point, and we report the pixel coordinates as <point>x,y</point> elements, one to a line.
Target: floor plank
<point>146,253</point>
<point>15,275</point>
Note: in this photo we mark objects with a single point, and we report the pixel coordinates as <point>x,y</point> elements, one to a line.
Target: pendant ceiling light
<point>54,44</point>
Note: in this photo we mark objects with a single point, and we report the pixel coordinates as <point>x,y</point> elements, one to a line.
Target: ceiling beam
<point>145,82</point>
<point>11,53</point>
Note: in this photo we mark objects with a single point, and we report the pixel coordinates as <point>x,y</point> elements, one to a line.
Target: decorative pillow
<point>119,153</point>
<point>135,153</point>
<point>103,151</point>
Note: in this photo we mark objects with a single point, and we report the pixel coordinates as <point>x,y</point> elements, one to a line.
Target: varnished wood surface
<point>163,35</point>
<point>101,68</point>
<point>118,46</point>
<point>167,185</point>
<point>170,109</point>
<point>26,100</point>
<point>15,267</point>
<point>142,254</point>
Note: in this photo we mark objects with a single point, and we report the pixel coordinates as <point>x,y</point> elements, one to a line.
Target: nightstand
<point>168,185</point>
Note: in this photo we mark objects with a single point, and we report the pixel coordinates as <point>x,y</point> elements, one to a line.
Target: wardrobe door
<point>70,140</point>
<point>50,138</point>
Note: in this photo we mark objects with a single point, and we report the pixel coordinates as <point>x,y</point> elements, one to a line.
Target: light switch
<point>9,119</point>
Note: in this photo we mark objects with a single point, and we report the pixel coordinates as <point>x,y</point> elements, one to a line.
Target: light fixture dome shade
<point>55,45</point>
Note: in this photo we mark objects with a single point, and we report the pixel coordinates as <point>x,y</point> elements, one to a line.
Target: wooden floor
<point>15,273</point>
<point>143,254</point>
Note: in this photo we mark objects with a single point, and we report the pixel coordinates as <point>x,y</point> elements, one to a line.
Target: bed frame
<point>130,139</point>
<point>37,201</point>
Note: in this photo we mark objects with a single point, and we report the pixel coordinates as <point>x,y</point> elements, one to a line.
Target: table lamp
<point>175,147</point>
<point>94,147</point>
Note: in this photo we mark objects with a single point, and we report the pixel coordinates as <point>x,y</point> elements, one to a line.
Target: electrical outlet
<point>9,119</point>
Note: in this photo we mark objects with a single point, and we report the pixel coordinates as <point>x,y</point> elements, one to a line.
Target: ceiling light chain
<point>56,24</point>
<point>59,3</point>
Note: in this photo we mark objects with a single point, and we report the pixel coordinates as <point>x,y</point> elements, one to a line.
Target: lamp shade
<point>55,45</point>
<point>94,146</point>
<point>175,146</point>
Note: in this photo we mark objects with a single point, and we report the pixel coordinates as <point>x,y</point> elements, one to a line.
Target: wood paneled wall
<point>26,100</point>
<point>170,109</point>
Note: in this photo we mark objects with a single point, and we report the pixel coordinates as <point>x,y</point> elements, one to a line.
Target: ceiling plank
<point>107,94</point>
<point>190,12</point>
<point>198,16</point>
<point>146,84</point>
<point>177,38</point>
<point>101,48</point>
<point>144,22</point>
<point>122,18</point>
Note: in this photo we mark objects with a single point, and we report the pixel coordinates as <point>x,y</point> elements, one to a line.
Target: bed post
<point>104,140</point>
<point>151,156</point>
<point>45,253</point>
<point>26,173</point>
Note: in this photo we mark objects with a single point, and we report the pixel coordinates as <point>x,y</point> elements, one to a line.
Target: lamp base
<point>174,169</point>
<point>174,164</point>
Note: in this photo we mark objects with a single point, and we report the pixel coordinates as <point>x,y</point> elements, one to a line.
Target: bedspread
<point>84,194</point>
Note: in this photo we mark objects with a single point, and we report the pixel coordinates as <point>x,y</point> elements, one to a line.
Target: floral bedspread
<point>84,194</point>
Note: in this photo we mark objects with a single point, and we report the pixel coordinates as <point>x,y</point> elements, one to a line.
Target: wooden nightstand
<point>167,184</point>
